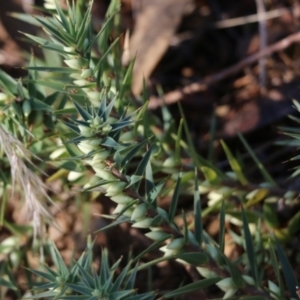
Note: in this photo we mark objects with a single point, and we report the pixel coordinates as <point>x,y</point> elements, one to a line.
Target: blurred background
<point>238,61</point>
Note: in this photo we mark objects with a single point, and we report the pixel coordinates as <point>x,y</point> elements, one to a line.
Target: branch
<point>202,85</point>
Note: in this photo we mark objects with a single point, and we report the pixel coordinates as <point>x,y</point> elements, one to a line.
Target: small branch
<point>202,85</point>
<point>262,41</point>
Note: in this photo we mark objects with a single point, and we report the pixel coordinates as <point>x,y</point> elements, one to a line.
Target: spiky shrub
<point>119,142</point>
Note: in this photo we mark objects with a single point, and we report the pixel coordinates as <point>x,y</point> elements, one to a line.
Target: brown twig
<point>202,85</point>
<point>262,41</point>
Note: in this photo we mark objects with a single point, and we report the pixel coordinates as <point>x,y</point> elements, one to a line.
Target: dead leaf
<point>155,26</point>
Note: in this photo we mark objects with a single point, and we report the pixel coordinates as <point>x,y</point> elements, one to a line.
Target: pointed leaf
<point>84,114</point>
<point>235,166</point>
<point>142,165</point>
<point>249,247</point>
<point>174,202</point>
<point>193,258</point>
<point>197,211</point>
<point>132,153</point>
<point>201,284</point>
<point>260,166</point>
<point>222,228</point>
<point>287,270</point>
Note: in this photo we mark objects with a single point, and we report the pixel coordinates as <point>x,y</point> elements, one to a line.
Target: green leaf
<point>149,180</point>
<point>104,269</point>
<point>8,284</point>
<point>251,216</point>
<point>33,77</point>
<point>256,196</point>
<point>25,18</point>
<point>39,105</point>
<point>153,246</point>
<point>142,165</point>
<point>83,113</point>
<point>253,298</point>
<point>294,224</point>
<point>118,282</point>
<point>64,111</point>
<point>8,83</point>
<point>270,215</point>
<point>61,35</point>
<point>80,289</point>
<point>174,202</point>
<point>43,295</point>
<point>198,160</point>
<point>235,166</point>
<point>185,228</point>
<point>48,45</point>
<point>201,284</point>
<point>210,175</point>
<point>234,272</point>
<point>111,143</point>
<point>152,195</point>
<point>126,79</point>
<point>103,28</point>
<point>249,247</point>
<point>62,18</point>
<point>222,228</point>
<point>132,153</point>
<point>52,69</point>
<point>193,258</point>
<point>198,228</point>
<point>99,64</point>
<point>45,275</point>
<point>287,270</point>
<point>58,261</point>
<point>275,265</point>
<point>120,220</point>
<point>177,153</point>
<point>260,166</point>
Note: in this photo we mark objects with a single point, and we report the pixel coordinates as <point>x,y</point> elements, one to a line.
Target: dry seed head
<point>34,190</point>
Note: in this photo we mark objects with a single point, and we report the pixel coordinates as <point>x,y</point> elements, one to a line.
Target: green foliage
<point>91,116</point>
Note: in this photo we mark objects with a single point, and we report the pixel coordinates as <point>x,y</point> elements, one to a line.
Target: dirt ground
<point>237,60</point>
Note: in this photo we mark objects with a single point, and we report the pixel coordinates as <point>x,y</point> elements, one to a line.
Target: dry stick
<point>202,85</point>
<point>262,42</point>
